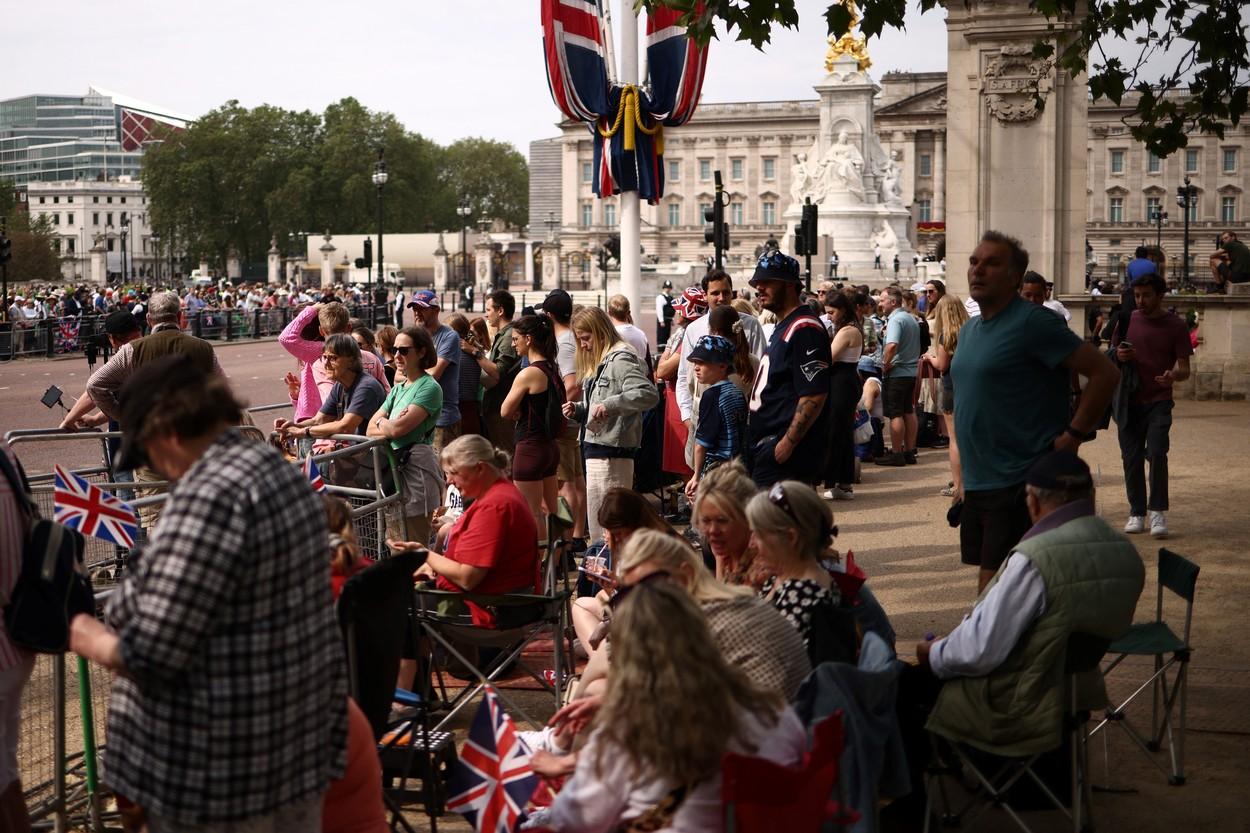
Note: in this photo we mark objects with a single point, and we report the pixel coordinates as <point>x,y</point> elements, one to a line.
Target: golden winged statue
<point>849,44</point>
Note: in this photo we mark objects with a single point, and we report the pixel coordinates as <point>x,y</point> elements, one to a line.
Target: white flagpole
<point>631,215</point>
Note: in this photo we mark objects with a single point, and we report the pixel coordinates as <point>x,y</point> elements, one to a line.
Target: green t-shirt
<point>425,393</point>
<point>1011,392</point>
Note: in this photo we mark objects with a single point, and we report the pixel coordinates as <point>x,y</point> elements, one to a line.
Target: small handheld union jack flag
<point>79,505</point>
<point>492,781</point>
<point>314,475</point>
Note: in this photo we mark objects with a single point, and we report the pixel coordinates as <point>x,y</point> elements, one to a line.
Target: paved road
<point>256,370</point>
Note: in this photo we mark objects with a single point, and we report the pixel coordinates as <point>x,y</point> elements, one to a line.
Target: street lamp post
<point>464,210</point>
<point>1157,216</point>
<point>379,179</point>
<point>125,226</point>
<point>1186,196</point>
<point>155,237</point>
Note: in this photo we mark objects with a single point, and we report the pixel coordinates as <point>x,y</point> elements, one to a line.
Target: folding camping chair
<point>521,618</point>
<point>373,612</point>
<point>760,796</point>
<point>1157,639</point>
<point>1084,653</point>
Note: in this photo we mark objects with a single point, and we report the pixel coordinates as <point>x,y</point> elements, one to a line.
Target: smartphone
<point>1127,345</point>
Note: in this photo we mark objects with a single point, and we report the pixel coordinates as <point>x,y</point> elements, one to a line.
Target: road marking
<point>6,387</point>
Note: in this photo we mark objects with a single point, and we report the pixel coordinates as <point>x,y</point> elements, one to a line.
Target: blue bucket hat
<point>775,266</point>
<point>713,349</point>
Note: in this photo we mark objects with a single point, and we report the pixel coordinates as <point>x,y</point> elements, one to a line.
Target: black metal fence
<point>53,337</point>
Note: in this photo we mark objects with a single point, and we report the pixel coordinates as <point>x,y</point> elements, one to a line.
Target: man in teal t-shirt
<point>1011,376</point>
<point>900,359</point>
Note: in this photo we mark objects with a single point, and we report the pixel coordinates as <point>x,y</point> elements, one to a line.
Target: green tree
<point>492,176</point>
<point>34,257</point>
<point>1202,42</point>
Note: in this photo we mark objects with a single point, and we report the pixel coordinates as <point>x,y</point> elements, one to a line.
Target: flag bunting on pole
<point>492,781</point>
<point>92,511</point>
<point>626,121</point>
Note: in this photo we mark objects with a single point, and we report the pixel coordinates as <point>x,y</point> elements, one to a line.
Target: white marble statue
<point>842,169</point>
<point>800,179</point>
<point>892,181</point>
<point>885,237</point>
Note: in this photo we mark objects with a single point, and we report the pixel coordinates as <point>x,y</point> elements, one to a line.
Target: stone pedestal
<point>1011,165</point>
<point>442,268</point>
<point>99,272</point>
<point>483,262</point>
<point>327,262</point>
<point>275,263</point>
<point>234,269</point>
<point>203,268</point>
<point>552,279</point>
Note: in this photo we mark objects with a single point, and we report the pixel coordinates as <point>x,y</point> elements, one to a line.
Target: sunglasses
<point>329,358</point>
<point>403,351</point>
<point>777,497</point>
<point>623,593</point>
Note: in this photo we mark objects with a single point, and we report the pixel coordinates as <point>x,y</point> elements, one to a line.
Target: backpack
<point>52,587</point>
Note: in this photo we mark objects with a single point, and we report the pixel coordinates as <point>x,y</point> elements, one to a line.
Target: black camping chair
<point>373,612</point>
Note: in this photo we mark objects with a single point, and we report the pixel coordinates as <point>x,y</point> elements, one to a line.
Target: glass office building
<point>58,138</point>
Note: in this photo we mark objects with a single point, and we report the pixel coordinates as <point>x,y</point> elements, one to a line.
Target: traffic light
<point>808,226</point>
<point>6,249</point>
<point>800,240</point>
<point>717,233</point>
<point>368,258</point>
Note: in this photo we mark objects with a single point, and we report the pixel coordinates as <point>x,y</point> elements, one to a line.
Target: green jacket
<point>503,354</point>
<point>621,385</point>
<point>1093,577</point>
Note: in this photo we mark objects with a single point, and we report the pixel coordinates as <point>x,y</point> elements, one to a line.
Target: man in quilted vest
<point>1003,665</point>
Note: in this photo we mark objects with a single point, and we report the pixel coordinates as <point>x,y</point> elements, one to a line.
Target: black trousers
<point>844,392</point>
<point>1144,437</point>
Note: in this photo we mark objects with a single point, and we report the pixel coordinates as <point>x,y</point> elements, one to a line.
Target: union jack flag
<point>314,475</point>
<point>67,335</point>
<point>492,781</point>
<point>79,505</point>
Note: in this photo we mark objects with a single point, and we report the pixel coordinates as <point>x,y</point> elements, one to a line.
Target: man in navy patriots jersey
<point>788,417</point>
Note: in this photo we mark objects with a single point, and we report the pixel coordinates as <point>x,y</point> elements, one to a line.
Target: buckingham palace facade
<point>754,144</point>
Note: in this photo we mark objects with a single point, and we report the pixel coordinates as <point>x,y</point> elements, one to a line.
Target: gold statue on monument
<point>849,44</point>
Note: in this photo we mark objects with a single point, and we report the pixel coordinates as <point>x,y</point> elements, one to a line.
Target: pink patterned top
<point>315,381</point>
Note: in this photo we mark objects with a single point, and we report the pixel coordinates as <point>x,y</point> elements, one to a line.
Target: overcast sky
<point>447,69</point>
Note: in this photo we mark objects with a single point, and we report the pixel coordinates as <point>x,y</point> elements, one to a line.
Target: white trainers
<point>543,739</point>
<point>838,493</point>
<point>1136,523</point>
<point>1158,525</point>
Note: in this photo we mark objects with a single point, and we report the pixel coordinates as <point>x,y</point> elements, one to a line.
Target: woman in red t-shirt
<point>493,547</point>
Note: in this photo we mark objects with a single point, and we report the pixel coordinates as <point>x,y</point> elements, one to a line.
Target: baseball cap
<point>558,302</point>
<point>425,299</point>
<point>714,349</point>
<point>120,323</point>
<point>692,304</point>
<point>775,266</point>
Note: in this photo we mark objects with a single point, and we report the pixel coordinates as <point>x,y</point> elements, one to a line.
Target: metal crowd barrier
<point>57,336</point>
<point>58,774</point>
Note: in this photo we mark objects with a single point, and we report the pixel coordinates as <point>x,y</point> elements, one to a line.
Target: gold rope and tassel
<point>629,113</point>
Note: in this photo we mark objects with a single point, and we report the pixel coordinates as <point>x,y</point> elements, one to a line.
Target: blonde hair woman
<point>615,392</point>
<point>751,634</point>
<point>654,758</point>
<point>792,529</point>
<point>945,322</point>
<point>718,515</point>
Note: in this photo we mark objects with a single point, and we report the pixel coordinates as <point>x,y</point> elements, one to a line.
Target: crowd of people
<point>766,402</point>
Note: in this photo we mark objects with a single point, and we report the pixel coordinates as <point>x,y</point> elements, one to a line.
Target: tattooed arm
<point>805,414</point>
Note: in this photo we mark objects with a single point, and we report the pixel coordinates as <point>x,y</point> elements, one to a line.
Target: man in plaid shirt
<point>229,709</point>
